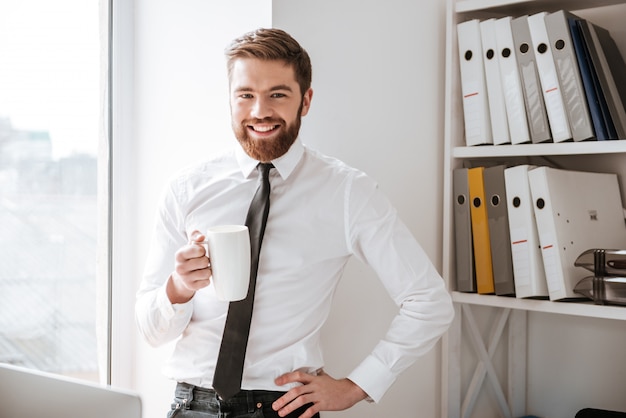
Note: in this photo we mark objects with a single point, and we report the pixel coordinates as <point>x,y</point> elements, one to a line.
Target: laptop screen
<point>26,393</point>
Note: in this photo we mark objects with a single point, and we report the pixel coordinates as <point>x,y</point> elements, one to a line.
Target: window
<point>50,128</point>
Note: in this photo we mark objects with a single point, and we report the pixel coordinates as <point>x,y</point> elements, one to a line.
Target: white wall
<point>575,363</point>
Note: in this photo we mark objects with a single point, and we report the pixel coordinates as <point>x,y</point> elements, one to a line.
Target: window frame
<point>118,149</point>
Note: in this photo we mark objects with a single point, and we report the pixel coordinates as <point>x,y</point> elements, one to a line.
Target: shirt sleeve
<point>380,239</point>
<point>158,320</point>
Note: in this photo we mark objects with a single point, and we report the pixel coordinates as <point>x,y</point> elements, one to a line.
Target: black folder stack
<point>607,286</point>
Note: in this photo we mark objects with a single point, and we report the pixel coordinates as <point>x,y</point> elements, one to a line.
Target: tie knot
<point>264,169</point>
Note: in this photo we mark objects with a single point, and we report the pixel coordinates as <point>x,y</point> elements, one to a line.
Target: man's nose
<point>261,108</point>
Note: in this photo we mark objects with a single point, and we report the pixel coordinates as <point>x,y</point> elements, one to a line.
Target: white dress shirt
<point>322,212</point>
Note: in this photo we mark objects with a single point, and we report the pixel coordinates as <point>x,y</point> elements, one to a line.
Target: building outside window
<point>50,127</point>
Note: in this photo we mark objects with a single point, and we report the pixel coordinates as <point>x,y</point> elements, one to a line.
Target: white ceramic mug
<point>229,252</point>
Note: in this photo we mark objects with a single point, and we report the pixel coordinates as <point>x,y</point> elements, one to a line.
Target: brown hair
<point>272,44</point>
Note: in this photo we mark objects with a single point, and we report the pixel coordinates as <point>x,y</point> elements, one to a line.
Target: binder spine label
<point>520,253</point>
<point>551,263</point>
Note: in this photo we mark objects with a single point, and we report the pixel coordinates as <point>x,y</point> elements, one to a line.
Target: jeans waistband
<point>245,399</point>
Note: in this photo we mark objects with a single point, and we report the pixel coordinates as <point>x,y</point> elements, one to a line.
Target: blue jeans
<point>194,402</point>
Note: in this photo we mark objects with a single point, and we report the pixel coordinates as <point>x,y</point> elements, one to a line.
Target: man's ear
<point>306,101</point>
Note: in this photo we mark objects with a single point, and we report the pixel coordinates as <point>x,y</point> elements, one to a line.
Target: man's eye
<point>278,95</point>
<point>246,96</point>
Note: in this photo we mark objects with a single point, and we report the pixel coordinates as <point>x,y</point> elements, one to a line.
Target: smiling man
<point>322,213</point>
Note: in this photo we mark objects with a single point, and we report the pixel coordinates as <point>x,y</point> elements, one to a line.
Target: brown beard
<point>266,151</point>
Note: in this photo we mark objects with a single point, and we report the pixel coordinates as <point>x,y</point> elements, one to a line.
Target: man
<point>322,212</point>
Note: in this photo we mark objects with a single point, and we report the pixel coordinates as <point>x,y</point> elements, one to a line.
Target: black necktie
<point>229,368</point>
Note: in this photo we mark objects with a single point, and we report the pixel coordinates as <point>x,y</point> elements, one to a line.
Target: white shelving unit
<point>603,156</point>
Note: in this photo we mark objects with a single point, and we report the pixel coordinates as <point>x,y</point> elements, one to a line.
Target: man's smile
<point>263,128</point>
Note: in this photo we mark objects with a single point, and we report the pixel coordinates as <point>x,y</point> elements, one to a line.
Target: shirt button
<point>259,405</point>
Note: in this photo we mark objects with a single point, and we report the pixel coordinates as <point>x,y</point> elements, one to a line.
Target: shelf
<point>506,322</point>
<point>564,148</point>
<point>527,6</point>
<point>587,309</point>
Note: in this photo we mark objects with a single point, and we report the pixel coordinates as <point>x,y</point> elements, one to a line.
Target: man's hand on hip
<point>323,391</point>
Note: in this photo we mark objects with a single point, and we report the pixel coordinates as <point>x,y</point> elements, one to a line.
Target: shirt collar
<point>284,164</point>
